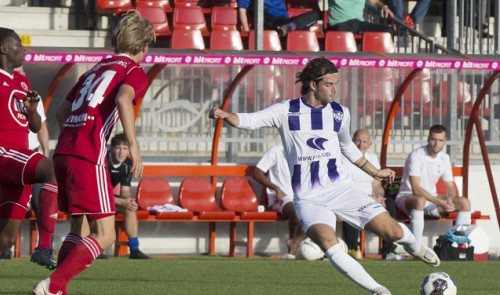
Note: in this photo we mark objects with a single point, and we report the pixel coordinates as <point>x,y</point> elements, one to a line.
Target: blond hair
<point>132,33</point>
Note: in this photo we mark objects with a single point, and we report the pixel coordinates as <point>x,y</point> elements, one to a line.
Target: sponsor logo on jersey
<point>317,143</point>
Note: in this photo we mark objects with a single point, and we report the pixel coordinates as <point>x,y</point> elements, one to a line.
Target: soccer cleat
<point>356,254</point>
<point>137,254</point>
<point>394,256</point>
<point>44,258</point>
<point>428,256</point>
<point>409,21</point>
<point>42,288</point>
<point>381,291</point>
<point>288,256</point>
<point>102,256</point>
<point>6,254</point>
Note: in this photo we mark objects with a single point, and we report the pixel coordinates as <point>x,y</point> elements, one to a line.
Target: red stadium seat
<point>224,18</point>
<point>238,195</point>
<point>378,42</point>
<point>196,194</point>
<point>271,40</point>
<point>441,187</point>
<point>337,41</point>
<point>187,39</point>
<point>190,18</point>
<point>302,41</point>
<point>117,6</point>
<point>158,18</point>
<point>226,40</point>
<point>204,5</point>
<point>163,4</point>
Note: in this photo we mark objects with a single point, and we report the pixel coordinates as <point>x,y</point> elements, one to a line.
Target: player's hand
<point>386,174</point>
<point>450,207</point>
<point>132,205</point>
<point>30,102</point>
<point>216,113</point>
<point>137,165</point>
<point>279,194</point>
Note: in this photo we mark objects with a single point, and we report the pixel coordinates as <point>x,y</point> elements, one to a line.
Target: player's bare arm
<point>385,174</point>
<point>30,103</point>
<point>125,107</point>
<point>125,193</point>
<point>418,190</point>
<point>231,118</point>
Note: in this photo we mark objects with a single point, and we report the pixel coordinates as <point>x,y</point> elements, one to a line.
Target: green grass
<point>221,275</point>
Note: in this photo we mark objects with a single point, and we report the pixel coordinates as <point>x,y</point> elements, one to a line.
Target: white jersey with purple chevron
<point>314,140</point>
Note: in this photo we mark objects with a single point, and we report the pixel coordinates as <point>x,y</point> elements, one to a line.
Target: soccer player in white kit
<point>315,133</point>
<point>417,195</point>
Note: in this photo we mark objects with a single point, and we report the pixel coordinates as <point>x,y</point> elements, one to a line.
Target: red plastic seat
<point>302,41</point>
<point>226,40</point>
<point>196,194</point>
<point>338,41</point>
<point>190,18</point>
<point>158,18</point>
<point>224,18</point>
<point>163,4</point>
<point>187,39</point>
<point>238,195</point>
<point>270,40</point>
<point>117,6</point>
<point>154,191</point>
<point>202,4</point>
<point>378,42</point>
<point>441,187</point>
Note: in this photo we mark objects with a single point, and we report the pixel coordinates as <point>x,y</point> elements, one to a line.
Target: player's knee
<point>393,232</point>
<point>463,204</point>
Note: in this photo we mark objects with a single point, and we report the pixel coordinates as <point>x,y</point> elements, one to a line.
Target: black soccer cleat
<point>44,258</point>
<point>137,254</point>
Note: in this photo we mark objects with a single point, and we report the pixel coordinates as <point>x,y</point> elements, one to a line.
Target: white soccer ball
<point>308,250</point>
<point>438,283</point>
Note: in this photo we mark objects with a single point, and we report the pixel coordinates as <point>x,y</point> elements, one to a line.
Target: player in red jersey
<point>102,95</point>
<point>20,166</point>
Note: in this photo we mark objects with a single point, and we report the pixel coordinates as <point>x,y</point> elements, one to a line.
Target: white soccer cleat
<point>381,291</point>
<point>428,256</point>
<point>42,288</point>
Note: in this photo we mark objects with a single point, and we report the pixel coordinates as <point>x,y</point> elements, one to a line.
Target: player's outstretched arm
<point>125,107</point>
<point>231,118</point>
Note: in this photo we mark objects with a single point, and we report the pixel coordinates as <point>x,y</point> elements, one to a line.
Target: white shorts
<point>351,206</point>
<point>430,208</point>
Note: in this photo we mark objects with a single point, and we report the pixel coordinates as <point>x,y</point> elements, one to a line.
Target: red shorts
<point>84,188</point>
<point>17,172</point>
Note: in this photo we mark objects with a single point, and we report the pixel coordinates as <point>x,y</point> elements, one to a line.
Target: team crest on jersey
<point>338,116</point>
<point>317,143</point>
<point>24,86</point>
<point>17,109</point>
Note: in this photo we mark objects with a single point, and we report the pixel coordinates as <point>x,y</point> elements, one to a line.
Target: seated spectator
<point>276,17</point>
<point>417,195</point>
<point>416,15</point>
<point>348,15</point>
<point>365,183</point>
<point>279,193</point>
<point>119,168</point>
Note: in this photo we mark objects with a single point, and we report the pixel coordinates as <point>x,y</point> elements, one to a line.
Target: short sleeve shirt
<point>274,162</point>
<point>120,174</point>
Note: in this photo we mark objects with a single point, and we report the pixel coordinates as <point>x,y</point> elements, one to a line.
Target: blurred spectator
<point>479,21</point>
<point>417,13</point>
<point>276,17</point>
<point>348,15</point>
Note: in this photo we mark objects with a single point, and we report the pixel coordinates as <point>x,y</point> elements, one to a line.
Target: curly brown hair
<point>315,70</point>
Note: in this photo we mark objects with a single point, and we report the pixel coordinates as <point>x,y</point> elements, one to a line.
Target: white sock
<point>349,267</point>
<point>417,224</point>
<point>408,240</point>
<point>463,217</point>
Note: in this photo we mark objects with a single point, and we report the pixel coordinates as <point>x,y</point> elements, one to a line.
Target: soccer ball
<point>308,250</point>
<point>438,283</point>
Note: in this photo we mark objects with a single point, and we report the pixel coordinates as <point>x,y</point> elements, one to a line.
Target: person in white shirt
<point>315,134</point>
<point>367,184</point>
<point>417,195</point>
<point>272,172</point>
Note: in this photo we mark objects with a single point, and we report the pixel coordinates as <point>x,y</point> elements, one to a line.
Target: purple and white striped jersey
<point>314,140</point>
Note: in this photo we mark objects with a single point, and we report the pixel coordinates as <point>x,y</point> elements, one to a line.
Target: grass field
<point>221,275</point>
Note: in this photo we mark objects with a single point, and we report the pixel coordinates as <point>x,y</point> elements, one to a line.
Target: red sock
<point>67,246</point>
<point>82,256</point>
<point>47,215</point>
